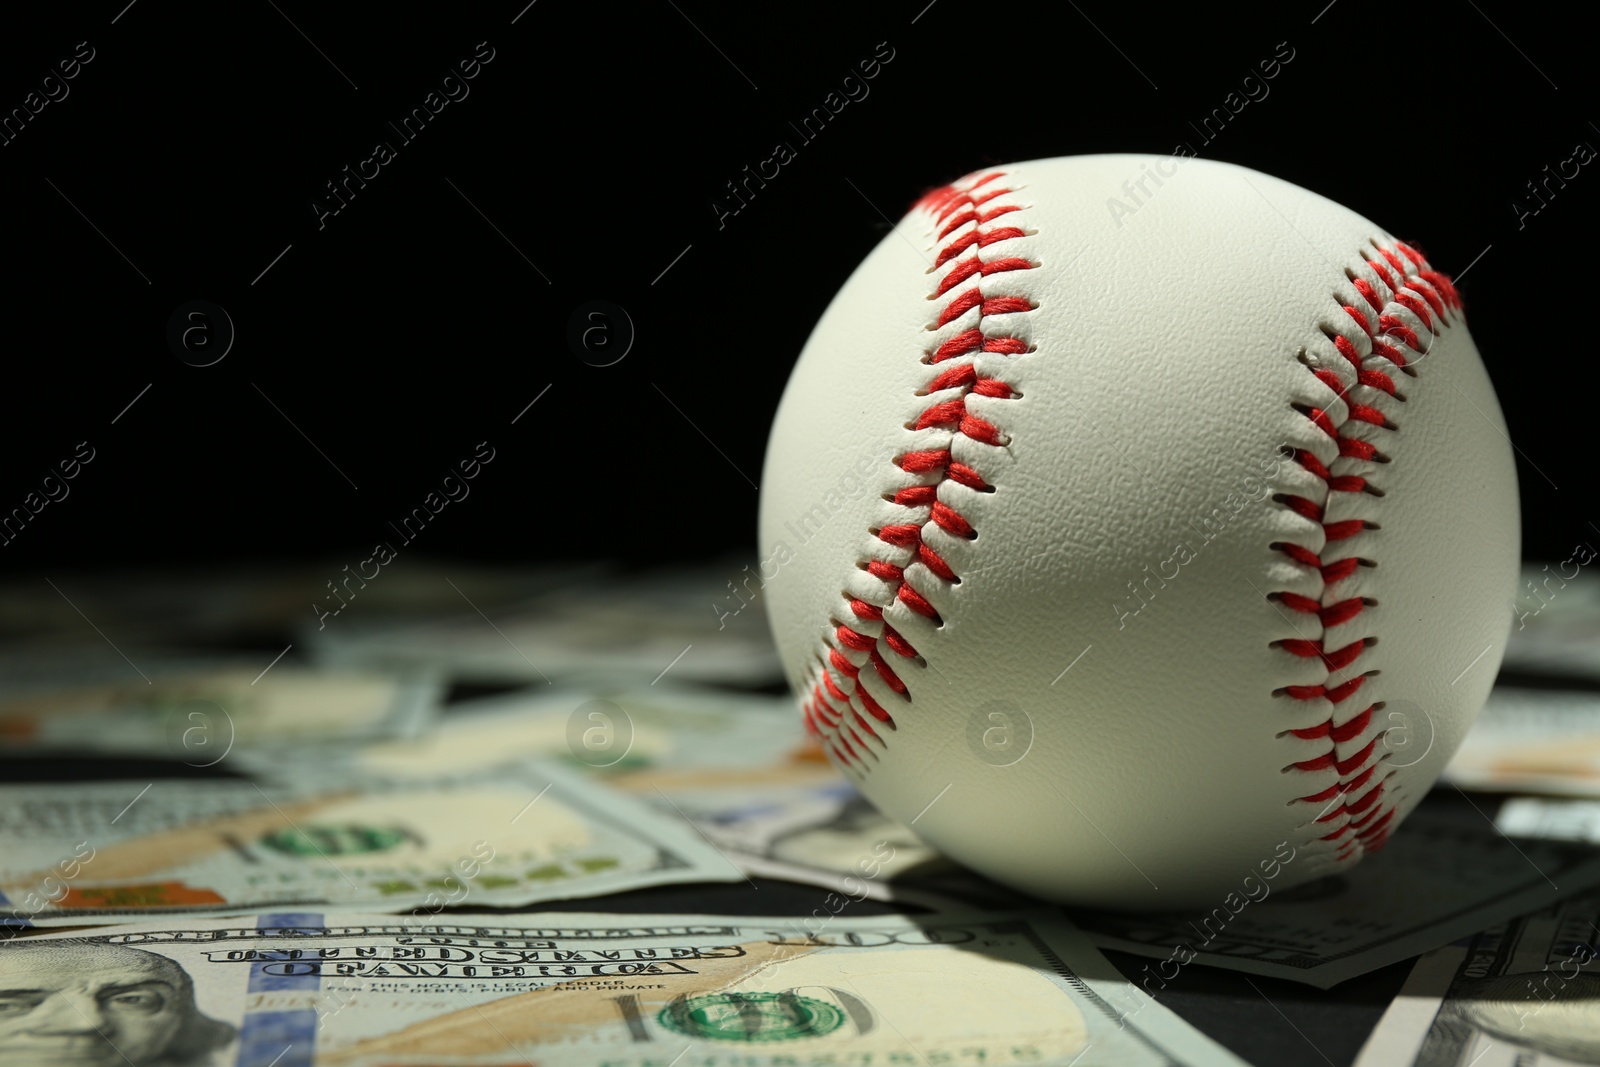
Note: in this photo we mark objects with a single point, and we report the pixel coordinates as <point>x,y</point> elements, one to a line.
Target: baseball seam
<point>1405,296</point>
<point>1360,807</point>
<point>840,708</point>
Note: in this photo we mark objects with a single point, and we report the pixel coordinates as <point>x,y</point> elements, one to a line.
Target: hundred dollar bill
<point>197,709</point>
<point>110,851</point>
<point>1555,618</point>
<point>1567,820</point>
<point>613,732</point>
<point>237,606</point>
<point>1445,873</point>
<point>1533,740</point>
<point>740,768</point>
<point>640,627</point>
<point>821,832</point>
<point>310,989</point>
<point>1524,993</point>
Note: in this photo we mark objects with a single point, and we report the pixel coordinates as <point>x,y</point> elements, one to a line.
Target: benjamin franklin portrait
<point>82,1004</point>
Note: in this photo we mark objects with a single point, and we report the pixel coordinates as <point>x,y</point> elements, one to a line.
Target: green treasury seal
<point>751,1016</point>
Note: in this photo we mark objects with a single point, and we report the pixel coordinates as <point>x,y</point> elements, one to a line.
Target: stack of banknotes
<point>355,835</point>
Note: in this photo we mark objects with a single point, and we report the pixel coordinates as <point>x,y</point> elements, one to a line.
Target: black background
<point>414,324</point>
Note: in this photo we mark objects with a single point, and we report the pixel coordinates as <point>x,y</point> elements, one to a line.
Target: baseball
<point>1141,529</point>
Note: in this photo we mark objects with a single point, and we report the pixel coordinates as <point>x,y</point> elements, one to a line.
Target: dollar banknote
<point>197,709</point>
<point>819,832</point>
<point>1532,740</point>
<point>685,623</point>
<point>236,605</point>
<point>1445,873</point>
<point>1563,819</point>
<point>310,989</point>
<point>108,851</point>
<point>612,731</point>
<point>740,768</point>
<point>1555,617</point>
<point>1523,993</point>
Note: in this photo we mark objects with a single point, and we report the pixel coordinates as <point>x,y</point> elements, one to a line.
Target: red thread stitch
<point>1404,281</point>
<point>831,708</point>
<point>1407,285</point>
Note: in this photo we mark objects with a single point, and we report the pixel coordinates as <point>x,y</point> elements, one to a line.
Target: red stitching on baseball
<point>893,639</point>
<point>1407,282</point>
<point>954,207</point>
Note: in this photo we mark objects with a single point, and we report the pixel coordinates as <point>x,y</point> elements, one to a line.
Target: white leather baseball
<point>1100,548</point>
